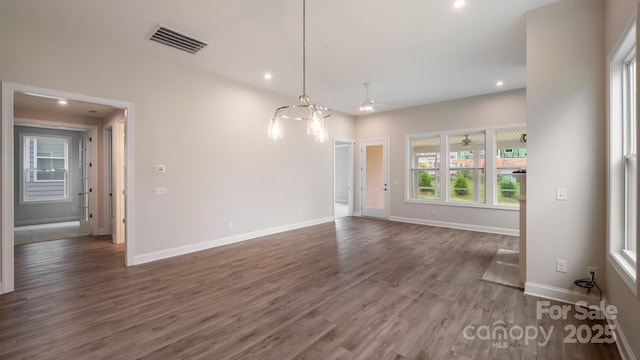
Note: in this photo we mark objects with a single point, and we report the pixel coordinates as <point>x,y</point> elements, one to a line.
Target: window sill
<point>41,202</point>
<point>461,204</point>
<point>625,267</point>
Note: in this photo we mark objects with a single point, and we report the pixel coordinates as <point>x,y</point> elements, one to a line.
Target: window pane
<point>467,167</point>
<point>428,183</point>
<point>49,175</point>
<point>45,168</point>
<point>375,177</point>
<point>51,147</point>
<point>50,164</point>
<point>631,107</point>
<point>632,203</point>
<point>425,168</point>
<point>511,155</point>
<point>631,165</point>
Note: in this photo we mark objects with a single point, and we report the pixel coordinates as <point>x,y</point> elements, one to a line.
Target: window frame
<point>22,180</point>
<point>411,160</point>
<point>620,154</point>
<point>490,200</point>
<point>477,171</point>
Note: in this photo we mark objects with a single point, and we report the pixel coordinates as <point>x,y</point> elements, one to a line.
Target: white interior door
<point>85,188</point>
<point>374,178</point>
<point>343,177</point>
<point>119,194</point>
<point>109,179</point>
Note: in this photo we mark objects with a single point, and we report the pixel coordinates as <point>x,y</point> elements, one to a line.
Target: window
<point>467,172</point>
<point>45,168</point>
<point>425,168</point>
<point>630,154</point>
<point>462,180</point>
<point>623,162</point>
<point>511,156</point>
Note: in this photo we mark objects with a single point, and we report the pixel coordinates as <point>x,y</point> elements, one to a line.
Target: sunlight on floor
<point>44,232</point>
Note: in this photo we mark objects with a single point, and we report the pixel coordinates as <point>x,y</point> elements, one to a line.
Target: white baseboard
<point>164,254</point>
<point>460,226</point>
<point>559,294</point>
<point>357,213</point>
<point>572,297</point>
<point>621,341</point>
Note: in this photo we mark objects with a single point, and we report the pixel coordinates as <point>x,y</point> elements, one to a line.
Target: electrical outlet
<point>561,266</point>
<point>561,194</point>
<point>229,224</point>
<point>594,270</point>
<point>159,191</point>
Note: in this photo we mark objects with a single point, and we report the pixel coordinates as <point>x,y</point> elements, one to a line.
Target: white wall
<point>618,15</point>
<point>210,132</point>
<point>505,108</point>
<point>566,133</point>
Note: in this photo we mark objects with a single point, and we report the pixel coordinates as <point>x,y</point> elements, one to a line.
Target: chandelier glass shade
<point>304,109</point>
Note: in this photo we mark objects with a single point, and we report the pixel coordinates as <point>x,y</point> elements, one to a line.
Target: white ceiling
<point>411,51</point>
<point>50,105</point>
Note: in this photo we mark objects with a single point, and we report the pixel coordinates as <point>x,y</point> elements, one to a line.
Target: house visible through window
<point>511,155</point>
<point>45,168</point>
<point>463,179</point>
<point>467,172</point>
<point>425,168</point>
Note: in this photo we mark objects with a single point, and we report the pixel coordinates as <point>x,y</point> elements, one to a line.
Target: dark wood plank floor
<point>356,289</point>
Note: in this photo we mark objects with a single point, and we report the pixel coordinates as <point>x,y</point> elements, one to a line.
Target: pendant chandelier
<point>304,109</point>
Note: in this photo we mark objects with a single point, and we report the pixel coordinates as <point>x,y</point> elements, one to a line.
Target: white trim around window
<point>23,198</point>
<point>442,166</point>
<point>622,184</point>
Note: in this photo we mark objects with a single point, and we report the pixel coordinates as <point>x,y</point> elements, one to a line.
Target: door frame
<point>350,172</point>
<point>385,155</point>
<point>7,220</point>
<point>93,174</point>
<point>119,200</point>
<point>107,180</point>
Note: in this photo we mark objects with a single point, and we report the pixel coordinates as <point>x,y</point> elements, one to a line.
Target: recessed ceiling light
<point>458,4</point>
<point>499,83</point>
<point>62,102</point>
<point>267,76</point>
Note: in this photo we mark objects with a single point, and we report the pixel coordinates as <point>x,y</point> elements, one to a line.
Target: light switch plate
<point>160,168</point>
<point>561,194</point>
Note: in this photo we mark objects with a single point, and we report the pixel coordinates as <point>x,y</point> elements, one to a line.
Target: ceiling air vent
<point>176,40</point>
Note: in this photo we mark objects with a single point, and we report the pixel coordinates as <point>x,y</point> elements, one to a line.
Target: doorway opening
<point>342,178</point>
<point>54,168</point>
<point>55,173</point>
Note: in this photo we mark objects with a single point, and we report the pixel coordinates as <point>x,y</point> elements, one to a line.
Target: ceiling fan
<point>466,141</point>
<point>367,105</point>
